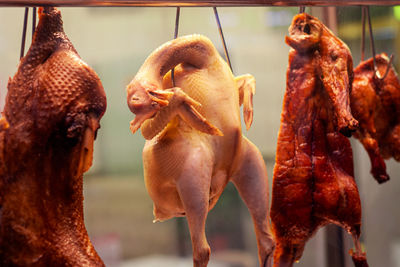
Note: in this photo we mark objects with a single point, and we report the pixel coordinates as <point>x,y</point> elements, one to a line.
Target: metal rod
<point>33,20</point>
<point>372,42</point>
<point>24,33</point>
<point>363,33</point>
<point>205,3</point>
<point>228,60</point>
<point>330,18</point>
<point>334,235</point>
<point>371,37</point>
<point>178,12</point>
<point>334,253</point>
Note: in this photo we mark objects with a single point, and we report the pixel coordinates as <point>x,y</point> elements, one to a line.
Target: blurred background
<point>118,211</point>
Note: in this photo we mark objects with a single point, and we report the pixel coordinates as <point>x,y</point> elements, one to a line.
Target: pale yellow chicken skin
<point>194,142</point>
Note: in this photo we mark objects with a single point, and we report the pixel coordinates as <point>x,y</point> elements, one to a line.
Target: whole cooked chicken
<point>375,103</point>
<point>194,141</point>
<point>313,183</point>
<point>53,108</point>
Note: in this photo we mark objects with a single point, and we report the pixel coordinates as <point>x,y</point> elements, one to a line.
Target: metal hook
<point>302,9</point>
<point>178,12</point>
<point>371,37</point>
<point>22,51</point>
<point>24,33</point>
<point>387,68</point>
<point>363,33</point>
<point>222,38</point>
<point>33,21</point>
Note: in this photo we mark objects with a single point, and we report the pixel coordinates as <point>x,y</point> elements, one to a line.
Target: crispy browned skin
<point>52,112</point>
<point>313,182</point>
<point>375,103</point>
<point>187,162</point>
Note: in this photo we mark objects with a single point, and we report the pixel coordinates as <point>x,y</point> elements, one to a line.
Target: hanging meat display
<point>313,183</point>
<point>53,108</point>
<point>375,103</point>
<point>194,142</point>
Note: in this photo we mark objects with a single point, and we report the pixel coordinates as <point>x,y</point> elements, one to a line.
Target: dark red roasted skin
<point>53,108</point>
<point>313,183</point>
<point>375,103</point>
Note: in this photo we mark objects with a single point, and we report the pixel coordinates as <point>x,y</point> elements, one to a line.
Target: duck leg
<point>358,257</point>
<point>378,166</point>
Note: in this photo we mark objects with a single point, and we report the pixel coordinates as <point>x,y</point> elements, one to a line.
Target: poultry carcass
<point>313,183</point>
<point>194,142</point>
<point>375,103</point>
<point>53,108</point>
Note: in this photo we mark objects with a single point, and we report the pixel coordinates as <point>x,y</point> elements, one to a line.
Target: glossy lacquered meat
<point>313,176</point>
<point>375,103</point>
<point>53,107</point>
<point>194,141</point>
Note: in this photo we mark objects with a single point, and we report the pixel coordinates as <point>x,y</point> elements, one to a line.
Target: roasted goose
<point>52,112</point>
<point>375,103</point>
<point>194,142</point>
<point>313,182</point>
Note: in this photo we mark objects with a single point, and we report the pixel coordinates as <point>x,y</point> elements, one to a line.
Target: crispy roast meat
<point>375,103</point>
<point>53,108</point>
<point>313,183</point>
<point>194,141</point>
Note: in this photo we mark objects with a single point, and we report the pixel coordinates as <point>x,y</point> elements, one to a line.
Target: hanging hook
<point>22,51</point>
<point>371,37</point>
<point>33,21</point>
<point>24,33</point>
<point>363,33</point>
<point>178,12</point>
<point>302,9</point>
<point>222,38</point>
<point>387,68</point>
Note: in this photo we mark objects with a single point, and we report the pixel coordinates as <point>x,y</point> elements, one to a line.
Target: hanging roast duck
<point>53,107</point>
<point>313,176</point>
<point>194,142</point>
<point>375,103</point>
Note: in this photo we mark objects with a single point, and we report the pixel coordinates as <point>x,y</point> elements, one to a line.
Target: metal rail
<point>198,3</point>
